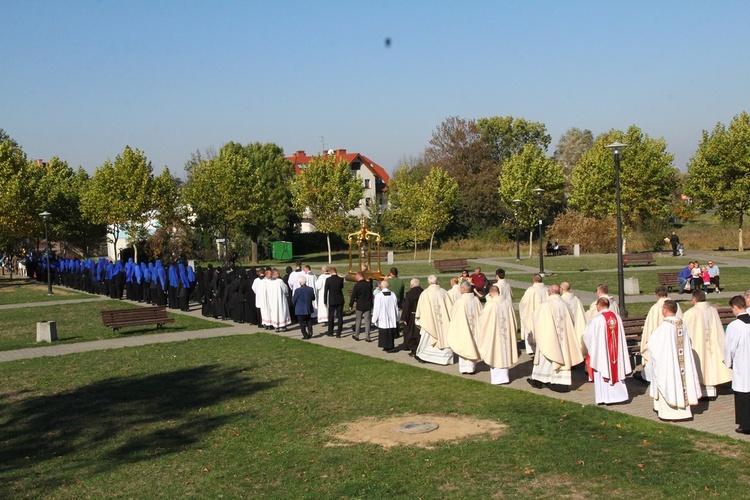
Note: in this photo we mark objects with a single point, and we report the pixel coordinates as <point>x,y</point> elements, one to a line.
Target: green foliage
<point>594,235</point>
<point>522,174</point>
<point>121,194</point>
<point>244,188</point>
<point>647,179</point>
<point>19,206</point>
<point>573,144</point>
<point>507,136</point>
<point>327,188</point>
<point>719,173</point>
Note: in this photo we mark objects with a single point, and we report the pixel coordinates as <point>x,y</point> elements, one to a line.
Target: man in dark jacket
<point>302,299</point>
<point>333,297</point>
<point>362,295</point>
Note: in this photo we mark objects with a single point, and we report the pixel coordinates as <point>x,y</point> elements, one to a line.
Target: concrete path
<point>716,417</point>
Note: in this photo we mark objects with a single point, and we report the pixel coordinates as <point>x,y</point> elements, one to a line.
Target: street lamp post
<point>517,202</point>
<point>539,192</point>
<point>45,215</point>
<point>616,148</point>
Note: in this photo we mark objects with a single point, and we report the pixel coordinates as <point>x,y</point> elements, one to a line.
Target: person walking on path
<point>674,240</point>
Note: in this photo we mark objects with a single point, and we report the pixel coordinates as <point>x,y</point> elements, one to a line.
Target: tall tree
<point>121,195</point>
<point>506,135</point>
<point>19,207</point>
<point>647,179</point>
<point>244,188</point>
<point>522,174</point>
<point>60,190</point>
<point>573,144</point>
<point>457,146</point>
<point>437,198</point>
<point>328,190</point>
<point>719,173</point>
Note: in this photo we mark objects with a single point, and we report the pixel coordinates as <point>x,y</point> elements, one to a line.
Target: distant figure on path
<point>674,240</point>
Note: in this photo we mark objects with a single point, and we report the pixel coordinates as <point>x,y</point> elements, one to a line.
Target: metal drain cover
<point>417,427</point>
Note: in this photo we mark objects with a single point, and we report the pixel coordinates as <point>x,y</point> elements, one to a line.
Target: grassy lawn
<point>79,323</point>
<point>25,291</point>
<point>252,416</point>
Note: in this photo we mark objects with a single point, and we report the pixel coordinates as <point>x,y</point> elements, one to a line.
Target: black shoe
<point>355,338</point>
<point>639,377</point>
<point>422,361</point>
<point>368,340</point>
<point>559,388</point>
<point>412,354</point>
<point>740,430</point>
<point>534,383</point>
<point>338,336</point>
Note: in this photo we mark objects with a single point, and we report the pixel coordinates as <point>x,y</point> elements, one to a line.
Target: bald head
<point>564,287</point>
<point>554,290</point>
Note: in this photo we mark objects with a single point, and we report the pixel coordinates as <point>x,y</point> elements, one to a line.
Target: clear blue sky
<point>83,79</point>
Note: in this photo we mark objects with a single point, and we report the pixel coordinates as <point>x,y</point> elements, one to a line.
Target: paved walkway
<point>716,417</point>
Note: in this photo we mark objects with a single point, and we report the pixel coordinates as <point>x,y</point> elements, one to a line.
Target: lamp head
<point>616,148</point>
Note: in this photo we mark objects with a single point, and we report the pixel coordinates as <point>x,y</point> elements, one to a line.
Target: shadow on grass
<point>16,282</point>
<point>98,427</point>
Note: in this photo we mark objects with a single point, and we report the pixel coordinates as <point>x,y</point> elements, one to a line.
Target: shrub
<point>594,235</point>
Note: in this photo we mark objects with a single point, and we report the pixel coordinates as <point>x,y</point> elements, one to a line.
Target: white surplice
<point>496,338</point>
<point>462,331</point>
<point>532,300</point>
<point>597,340</point>
<point>433,316</point>
<point>320,284</point>
<point>276,303</point>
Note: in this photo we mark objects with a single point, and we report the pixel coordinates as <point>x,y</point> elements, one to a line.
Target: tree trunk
<point>415,244</point>
<point>531,243</point>
<point>254,251</point>
<point>116,236</point>
<point>328,240</point>
<point>429,256</point>
<point>135,252</point>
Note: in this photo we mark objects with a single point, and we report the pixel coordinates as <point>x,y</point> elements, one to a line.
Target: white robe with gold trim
<point>707,337</point>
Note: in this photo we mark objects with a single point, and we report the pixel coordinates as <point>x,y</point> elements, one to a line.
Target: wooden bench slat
<point>450,264</point>
<point>638,258</point>
<point>120,318</point>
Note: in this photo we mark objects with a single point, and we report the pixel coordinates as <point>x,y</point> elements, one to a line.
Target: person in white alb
<point>737,357</point>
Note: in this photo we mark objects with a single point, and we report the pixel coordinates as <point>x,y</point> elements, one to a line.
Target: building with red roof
<point>374,179</point>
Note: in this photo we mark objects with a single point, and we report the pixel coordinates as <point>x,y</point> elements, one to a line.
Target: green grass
<point>79,323</point>
<point>251,416</point>
<point>25,291</point>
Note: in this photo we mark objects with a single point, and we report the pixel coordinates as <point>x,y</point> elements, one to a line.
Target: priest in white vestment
<point>496,337</point>
<point>320,284</point>
<point>261,299</point>
<point>277,302</point>
<point>675,386</point>
<point>575,306</point>
<point>530,303</point>
<point>258,284</point>
<point>294,277</point>
<point>557,347</point>
<point>505,290</point>
<point>311,282</point>
<point>433,315</point>
<point>707,336</point>
<point>654,318</point>
<point>605,341</point>
<point>462,329</point>
<point>737,357</point>
<point>602,291</point>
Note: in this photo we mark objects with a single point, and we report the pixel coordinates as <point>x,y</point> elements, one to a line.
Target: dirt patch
<point>733,451</point>
<point>390,431</point>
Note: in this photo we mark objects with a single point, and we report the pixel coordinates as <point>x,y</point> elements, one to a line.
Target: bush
<point>594,235</point>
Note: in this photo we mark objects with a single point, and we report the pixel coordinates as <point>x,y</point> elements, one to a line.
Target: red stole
<point>613,343</point>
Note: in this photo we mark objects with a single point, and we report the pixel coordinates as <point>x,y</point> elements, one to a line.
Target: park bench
<point>634,259</point>
<point>633,326</point>
<point>451,264</point>
<point>560,250</point>
<point>669,280</point>
<point>119,318</point>
<point>726,315</point>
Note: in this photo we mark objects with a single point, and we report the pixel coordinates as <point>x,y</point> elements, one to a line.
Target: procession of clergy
<point>685,356</point>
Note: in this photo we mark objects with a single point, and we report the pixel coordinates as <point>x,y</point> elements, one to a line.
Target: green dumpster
<point>281,250</point>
